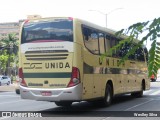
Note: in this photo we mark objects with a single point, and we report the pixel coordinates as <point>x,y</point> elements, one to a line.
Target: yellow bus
<point>60,61</point>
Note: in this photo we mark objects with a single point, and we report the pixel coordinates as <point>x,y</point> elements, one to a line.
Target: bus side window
<point>132,56</point>
<point>111,42</point>
<point>85,34</point>
<point>91,40</point>
<point>139,54</point>
<point>124,50</point>
<point>114,42</point>
<point>101,43</point>
<point>107,42</point>
<point>145,54</point>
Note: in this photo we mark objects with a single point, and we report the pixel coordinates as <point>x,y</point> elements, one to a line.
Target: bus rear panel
<point>46,68</point>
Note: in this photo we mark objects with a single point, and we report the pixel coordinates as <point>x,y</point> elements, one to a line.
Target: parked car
<point>5,80</point>
<point>17,89</point>
<point>153,78</point>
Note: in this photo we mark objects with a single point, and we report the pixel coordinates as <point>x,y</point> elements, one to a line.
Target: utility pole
<point>106,14</point>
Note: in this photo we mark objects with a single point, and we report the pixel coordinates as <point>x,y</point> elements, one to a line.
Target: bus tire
<point>17,91</point>
<point>64,104</point>
<point>108,95</point>
<point>8,83</point>
<point>139,93</point>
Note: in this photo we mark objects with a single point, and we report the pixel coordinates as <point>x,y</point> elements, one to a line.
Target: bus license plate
<point>46,93</point>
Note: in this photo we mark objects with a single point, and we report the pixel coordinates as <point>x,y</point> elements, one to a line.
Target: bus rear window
<point>57,30</point>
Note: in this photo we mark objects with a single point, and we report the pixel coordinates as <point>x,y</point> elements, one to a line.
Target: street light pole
<point>106,14</point>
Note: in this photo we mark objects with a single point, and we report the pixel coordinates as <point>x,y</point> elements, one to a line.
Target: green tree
<point>10,45</point>
<point>3,61</point>
<point>145,32</point>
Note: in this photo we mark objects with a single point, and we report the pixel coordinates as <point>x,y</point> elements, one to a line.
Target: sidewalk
<point>6,88</point>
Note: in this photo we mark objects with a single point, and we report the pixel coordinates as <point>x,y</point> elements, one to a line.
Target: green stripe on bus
<point>47,75</point>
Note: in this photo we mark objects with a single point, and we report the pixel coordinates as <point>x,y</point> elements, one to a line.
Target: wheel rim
<point>108,96</point>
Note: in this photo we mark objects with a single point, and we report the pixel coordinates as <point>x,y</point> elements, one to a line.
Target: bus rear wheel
<point>64,104</point>
<point>108,95</point>
<point>139,93</point>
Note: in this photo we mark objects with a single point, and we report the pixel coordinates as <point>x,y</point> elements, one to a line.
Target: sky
<point>120,13</point>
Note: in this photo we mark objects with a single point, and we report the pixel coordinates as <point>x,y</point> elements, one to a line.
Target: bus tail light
<point>75,77</point>
<point>70,18</point>
<point>26,21</point>
<point>21,78</point>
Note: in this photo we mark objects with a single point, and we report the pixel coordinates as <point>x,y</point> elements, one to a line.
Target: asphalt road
<point>122,106</point>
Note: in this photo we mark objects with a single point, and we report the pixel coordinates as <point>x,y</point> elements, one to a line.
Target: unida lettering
<point>57,65</point>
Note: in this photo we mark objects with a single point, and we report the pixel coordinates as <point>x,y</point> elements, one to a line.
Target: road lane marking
<point>138,105</point>
<point>5,92</point>
<point>105,118</point>
<point>9,96</point>
<point>11,102</point>
<point>155,93</point>
<point>152,92</point>
<point>2,118</point>
<point>148,91</point>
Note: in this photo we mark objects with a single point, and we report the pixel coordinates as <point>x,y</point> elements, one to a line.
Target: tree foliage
<point>11,43</point>
<point>148,31</point>
<point>9,51</point>
<point>3,60</point>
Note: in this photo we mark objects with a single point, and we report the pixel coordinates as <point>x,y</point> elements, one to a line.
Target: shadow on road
<point>88,109</point>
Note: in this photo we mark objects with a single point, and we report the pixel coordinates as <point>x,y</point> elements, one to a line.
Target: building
<point>8,28</point>
<point>13,27</point>
<point>33,16</point>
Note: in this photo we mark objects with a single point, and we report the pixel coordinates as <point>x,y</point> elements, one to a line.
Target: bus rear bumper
<point>60,94</point>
